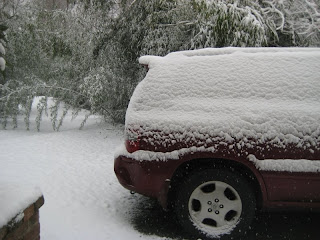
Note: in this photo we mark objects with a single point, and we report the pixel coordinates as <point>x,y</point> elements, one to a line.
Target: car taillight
<point>132,141</point>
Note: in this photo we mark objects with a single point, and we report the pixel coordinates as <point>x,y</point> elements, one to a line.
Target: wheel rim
<point>215,208</point>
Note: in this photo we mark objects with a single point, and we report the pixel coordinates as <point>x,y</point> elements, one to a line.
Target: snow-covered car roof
<point>236,93</point>
<point>149,59</point>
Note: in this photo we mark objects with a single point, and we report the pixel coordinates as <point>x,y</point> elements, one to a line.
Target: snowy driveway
<point>83,199</point>
<point>74,169</point>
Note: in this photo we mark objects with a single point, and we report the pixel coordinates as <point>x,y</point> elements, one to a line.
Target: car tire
<point>215,203</point>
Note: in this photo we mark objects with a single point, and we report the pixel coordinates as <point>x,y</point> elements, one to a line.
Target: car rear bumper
<point>149,178</point>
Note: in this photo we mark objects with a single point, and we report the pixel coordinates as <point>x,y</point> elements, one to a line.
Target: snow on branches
<point>3,28</point>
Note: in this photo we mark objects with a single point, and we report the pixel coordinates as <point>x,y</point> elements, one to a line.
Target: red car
<point>215,134</point>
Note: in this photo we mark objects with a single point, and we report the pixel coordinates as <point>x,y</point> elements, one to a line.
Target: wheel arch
<point>198,164</point>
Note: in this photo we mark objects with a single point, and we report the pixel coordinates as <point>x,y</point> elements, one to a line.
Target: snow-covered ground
<point>74,170</point>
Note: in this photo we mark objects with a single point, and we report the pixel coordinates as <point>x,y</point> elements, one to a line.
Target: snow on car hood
<point>267,94</point>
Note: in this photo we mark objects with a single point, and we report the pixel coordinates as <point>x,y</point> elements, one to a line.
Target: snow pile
<point>238,96</point>
<point>14,198</point>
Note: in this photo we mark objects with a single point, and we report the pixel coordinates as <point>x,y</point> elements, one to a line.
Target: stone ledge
<point>25,225</point>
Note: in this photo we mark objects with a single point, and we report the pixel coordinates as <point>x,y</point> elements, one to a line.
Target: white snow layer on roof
<point>14,198</point>
<point>236,93</point>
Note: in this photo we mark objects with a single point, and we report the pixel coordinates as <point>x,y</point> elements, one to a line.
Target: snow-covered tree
<point>300,20</point>
<point>7,11</point>
<point>229,23</point>
<point>56,60</point>
<point>3,40</point>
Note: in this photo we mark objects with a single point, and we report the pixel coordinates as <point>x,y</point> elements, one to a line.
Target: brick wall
<point>25,226</point>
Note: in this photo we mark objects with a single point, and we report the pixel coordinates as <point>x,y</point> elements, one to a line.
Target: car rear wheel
<point>215,203</point>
